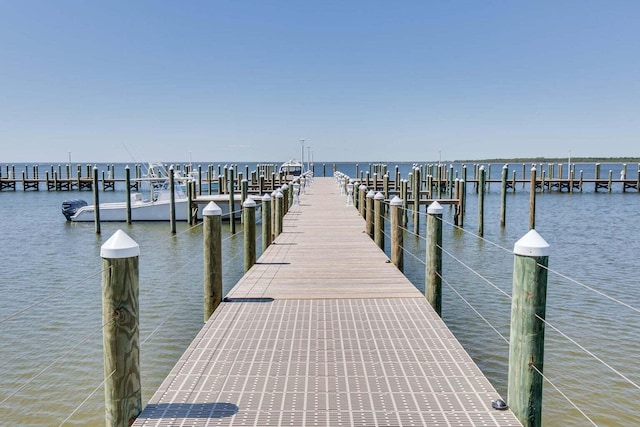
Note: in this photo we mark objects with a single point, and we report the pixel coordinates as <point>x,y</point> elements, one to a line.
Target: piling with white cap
<point>369,217</point>
<point>120,334</point>
<point>249,215</point>
<point>526,342</point>
<point>397,235</point>
<point>433,273</point>
<point>378,217</point>
<point>212,242</point>
<point>266,221</point>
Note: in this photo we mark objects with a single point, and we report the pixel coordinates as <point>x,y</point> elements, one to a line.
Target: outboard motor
<point>70,207</point>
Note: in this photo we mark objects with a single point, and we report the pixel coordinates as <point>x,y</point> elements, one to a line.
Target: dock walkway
<point>324,331</point>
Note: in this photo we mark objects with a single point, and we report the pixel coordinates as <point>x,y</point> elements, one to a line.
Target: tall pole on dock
<point>433,287</point>
<point>526,342</point>
<point>212,242</point>
<point>120,334</point>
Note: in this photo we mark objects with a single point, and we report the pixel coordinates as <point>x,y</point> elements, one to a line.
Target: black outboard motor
<point>69,207</point>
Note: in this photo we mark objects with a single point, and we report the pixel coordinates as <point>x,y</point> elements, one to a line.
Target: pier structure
<point>323,330</point>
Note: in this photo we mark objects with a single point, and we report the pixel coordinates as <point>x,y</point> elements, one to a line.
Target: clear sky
<point>245,80</point>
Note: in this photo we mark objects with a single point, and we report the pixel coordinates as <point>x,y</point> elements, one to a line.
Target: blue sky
<point>368,80</point>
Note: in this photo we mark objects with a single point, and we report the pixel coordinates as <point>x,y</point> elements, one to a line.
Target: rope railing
<point>50,365</point>
<point>480,275</point>
<point>86,399</point>
<point>535,368</point>
<point>50,297</point>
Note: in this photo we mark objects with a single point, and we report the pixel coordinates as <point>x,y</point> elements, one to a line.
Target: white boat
<point>157,209</point>
<point>291,169</point>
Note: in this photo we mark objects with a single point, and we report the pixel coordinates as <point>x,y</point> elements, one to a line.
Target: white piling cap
<point>120,245</point>
<point>285,187</point>
<point>212,209</point>
<point>266,198</point>
<point>362,187</point>
<point>435,208</point>
<point>379,196</point>
<point>531,244</point>
<point>371,194</point>
<point>396,201</point>
<point>279,194</point>
<point>249,203</point>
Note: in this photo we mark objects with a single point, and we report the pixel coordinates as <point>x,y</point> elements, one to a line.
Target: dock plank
<point>324,331</point>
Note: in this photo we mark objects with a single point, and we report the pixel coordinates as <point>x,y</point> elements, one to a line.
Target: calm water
<point>51,354</point>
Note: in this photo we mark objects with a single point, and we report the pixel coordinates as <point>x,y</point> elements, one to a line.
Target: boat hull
<point>155,211</point>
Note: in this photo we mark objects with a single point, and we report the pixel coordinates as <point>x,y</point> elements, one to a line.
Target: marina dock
<point>324,331</point>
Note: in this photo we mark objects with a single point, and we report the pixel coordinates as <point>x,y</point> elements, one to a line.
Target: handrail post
<point>212,242</point>
<point>397,237</point>
<point>120,334</point>
<point>526,342</point>
<point>249,215</point>
<point>433,274</point>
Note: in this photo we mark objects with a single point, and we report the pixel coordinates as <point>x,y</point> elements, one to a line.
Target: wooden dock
<point>324,331</point>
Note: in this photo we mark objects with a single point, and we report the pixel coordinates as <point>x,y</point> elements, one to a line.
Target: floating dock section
<point>324,331</point>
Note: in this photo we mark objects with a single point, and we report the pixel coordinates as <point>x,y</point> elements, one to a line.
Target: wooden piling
<point>417,186</point>
<point>532,199</point>
<point>369,222</point>
<point>279,213</point>
<point>379,219</point>
<point>249,228</point>
<point>433,274</point>
<point>362,204</point>
<point>481,188</point>
<point>266,221</point>
<point>172,200</point>
<point>96,201</point>
<point>231,192</point>
<point>397,235</point>
<point>127,185</point>
<point>212,230</point>
<point>526,342</point>
<point>503,196</point>
<point>120,334</point>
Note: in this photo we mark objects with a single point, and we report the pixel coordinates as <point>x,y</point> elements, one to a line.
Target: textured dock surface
<point>324,331</point>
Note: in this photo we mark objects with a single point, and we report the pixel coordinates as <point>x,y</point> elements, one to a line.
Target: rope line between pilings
<point>590,353</point>
<point>535,368</point>
<point>55,294</point>
<point>58,359</point>
<point>475,272</point>
<point>473,308</point>
<point>87,398</point>
<point>164,320</point>
<point>591,289</point>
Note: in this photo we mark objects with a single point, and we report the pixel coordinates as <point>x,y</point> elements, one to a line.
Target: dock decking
<point>324,331</point>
